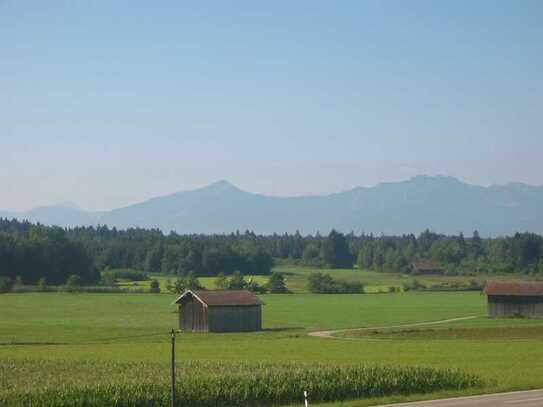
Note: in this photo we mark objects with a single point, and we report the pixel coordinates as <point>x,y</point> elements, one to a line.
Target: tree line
<point>30,253</point>
<point>33,251</point>
<point>522,252</point>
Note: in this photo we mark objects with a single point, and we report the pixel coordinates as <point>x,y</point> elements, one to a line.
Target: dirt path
<point>333,333</point>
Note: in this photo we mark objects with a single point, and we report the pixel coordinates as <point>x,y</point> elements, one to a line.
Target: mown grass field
<point>65,318</point>
<point>77,330</point>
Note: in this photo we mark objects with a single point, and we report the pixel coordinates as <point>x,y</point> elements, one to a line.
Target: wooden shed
<point>507,299</point>
<point>219,311</point>
<point>427,268</point>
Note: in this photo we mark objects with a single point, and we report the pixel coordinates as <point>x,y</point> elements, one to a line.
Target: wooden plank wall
<point>186,316</point>
<point>507,306</point>
<point>193,316</point>
<point>235,319</point>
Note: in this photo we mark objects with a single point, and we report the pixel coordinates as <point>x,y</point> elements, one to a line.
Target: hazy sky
<point>107,103</point>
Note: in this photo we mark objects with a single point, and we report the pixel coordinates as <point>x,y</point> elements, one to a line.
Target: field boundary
<point>334,332</point>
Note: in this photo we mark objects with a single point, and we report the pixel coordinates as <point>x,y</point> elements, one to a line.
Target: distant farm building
<point>427,268</point>
<point>509,299</point>
<point>219,311</point>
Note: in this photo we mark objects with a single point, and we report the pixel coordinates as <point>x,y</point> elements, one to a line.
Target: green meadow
<point>374,282</point>
<point>86,333</point>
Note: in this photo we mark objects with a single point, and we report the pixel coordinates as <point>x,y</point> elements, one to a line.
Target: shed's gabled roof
<point>426,265</point>
<point>215,298</point>
<point>514,288</point>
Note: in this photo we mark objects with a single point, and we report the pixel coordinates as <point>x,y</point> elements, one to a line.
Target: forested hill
<point>31,252</point>
<point>443,204</point>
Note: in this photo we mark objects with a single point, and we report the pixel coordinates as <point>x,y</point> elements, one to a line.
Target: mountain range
<point>440,203</point>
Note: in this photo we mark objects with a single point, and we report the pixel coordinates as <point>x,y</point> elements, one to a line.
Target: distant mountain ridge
<point>440,203</point>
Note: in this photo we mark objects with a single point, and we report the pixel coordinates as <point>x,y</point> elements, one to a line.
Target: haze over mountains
<point>442,204</point>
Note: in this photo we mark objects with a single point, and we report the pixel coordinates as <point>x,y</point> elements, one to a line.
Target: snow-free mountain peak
<point>440,203</point>
<point>221,186</point>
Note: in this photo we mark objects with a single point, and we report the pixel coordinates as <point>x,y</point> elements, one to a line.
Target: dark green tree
<point>153,259</point>
<point>276,284</point>
<point>154,286</point>
<point>365,256</point>
<point>335,251</point>
<point>476,245</point>
<point>237,281</point>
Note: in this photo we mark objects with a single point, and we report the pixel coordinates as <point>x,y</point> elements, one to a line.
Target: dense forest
<point>30,252</point>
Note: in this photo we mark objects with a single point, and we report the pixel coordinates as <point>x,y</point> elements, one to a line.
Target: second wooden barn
<point>507,299</point>
<point>428,268</point>
<point>219,311</point>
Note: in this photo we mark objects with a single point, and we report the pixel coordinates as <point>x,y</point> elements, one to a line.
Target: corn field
<point>58,383</point>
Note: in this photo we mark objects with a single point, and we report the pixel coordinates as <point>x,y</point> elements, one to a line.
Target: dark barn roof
<point>217,298</point>
<point>426,265</point>
<point>514,288</point>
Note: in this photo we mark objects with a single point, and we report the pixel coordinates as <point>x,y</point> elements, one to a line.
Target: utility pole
<point>173,368</point>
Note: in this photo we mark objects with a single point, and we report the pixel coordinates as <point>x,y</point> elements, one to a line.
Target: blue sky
<point>109,103</point>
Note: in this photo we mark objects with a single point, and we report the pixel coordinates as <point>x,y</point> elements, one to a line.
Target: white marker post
<point>173,369</point>
<point>305,398</point>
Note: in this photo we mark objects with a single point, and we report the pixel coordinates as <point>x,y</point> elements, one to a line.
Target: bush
<point>392,289</point>
<point>73,281</point>
<point>5,285</point>
<point>345,287</point>
<point>325,284</point>
<point>413,285</point>
<point>101,290</point>
<point>237,281</point>
<point>155,286</point>
<point>42,284</point>
<point>125,274</point>
<point>221,282</point>
<point>471,285</point>
<point>188,282</point>
<point>107,279</point>
<point>475,285</point>
<point>254,287</point>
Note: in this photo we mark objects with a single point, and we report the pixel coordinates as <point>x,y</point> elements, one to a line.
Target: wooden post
<point>305,398</point>
<point>173,368</point>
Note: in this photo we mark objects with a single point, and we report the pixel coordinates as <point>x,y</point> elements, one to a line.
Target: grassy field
<point>64,318</point>
<point>466,333</point>
<point>296,279</point>
<point>77,330</point>
<point>206,282</point>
